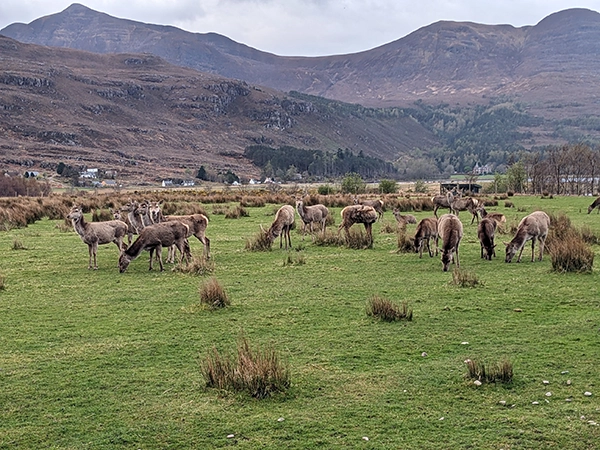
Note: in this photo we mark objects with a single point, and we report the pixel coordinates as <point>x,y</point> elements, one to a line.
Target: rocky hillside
<point>150,120</point>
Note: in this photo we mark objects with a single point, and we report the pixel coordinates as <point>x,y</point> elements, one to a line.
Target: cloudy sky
<point>304,27</point>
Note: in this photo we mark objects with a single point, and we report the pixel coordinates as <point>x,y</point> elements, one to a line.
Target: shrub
<point>236,213</point>
<point>464,278</point>
<point>299,260</point>
<point>260,373</point>
<point>568,249</point>
<point>325,189</point>
<point>213,295</point>
<point>259,243</point>
<point>101,215</point>
<point>501,372</point>
<point>388,227</point>
<point>353,184</point>
<point>420,187</point>
<point>358,239</point>
<point>329,239</point>
<point>388,187</point>
<point>508,204</point>
<point>384,309</point>
<point>405,243</point>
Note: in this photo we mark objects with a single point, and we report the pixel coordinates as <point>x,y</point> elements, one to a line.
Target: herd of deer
<point>155,230</point>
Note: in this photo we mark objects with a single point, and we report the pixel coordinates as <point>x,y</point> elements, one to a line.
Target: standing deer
<point>532,227</point>
<point>375,204</point>
<point>367,215</point>
<point>450,230</point>
<point>427,229</point>
<point>466,204</point>
<point>596,204</point>
<point>97,233</point>
<point>485,232</point>
<point>282,225</point>
<point>154,238</point>
<point>498,217</point>
<point>197,224</point>
<point>442,201</point>
<point>404,219</point>
<point>311,214</point>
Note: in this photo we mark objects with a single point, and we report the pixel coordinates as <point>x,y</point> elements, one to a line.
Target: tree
<point>202,174</point>
<point>388,187</point>
<point>353,184</point>
<point>516,177</point>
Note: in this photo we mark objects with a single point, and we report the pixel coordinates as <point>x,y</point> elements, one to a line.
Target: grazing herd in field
<point>155,230</point>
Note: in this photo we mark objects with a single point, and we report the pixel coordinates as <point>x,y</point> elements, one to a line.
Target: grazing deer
<point>532,227</point>
<point>311,214</point>
<point>485,232</point>
<point>442,201</point>
<point>450,230</point>
<point>97,233</point>
<point>498,217</point>
<point>404,219</point>
<point>197,224</point>
<point>427,229</point>
<point>466,204</point>
<point>282,225</point>
<point>154,238</point>
<point>375,204</point>
<point>596,204</point>
<point>367,215</point>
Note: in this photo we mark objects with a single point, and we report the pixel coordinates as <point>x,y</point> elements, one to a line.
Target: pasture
<point>99,359</point>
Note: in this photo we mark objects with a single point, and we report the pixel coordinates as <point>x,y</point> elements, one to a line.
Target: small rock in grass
<point>535,403</point>
<point>546,382</point>
<point>281,419</point>
<point>229,436</point>
<point>564,372</point>
<point>502,402</point>
<point>441,418</point>
<point>587,394</point>
<point>424,354</point>
<point>517,310</point>
<point>568,399</point>
<point>591,422</point>
<point>548,394</point>
<point>365,438</point>
<point>464,343</point>
<point>477,383</point>
<point>569,382</point>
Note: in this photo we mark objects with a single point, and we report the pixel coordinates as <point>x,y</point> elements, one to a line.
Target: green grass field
<point>103,360</point>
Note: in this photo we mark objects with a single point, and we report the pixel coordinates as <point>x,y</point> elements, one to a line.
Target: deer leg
<point>159,257</point>
<point>429,248</point>
<point>151,257</point>
<point>533,249</point>
<point>90,251</point>
<point>542,244</point>
<point>289,237</point>
<point>457,261</point>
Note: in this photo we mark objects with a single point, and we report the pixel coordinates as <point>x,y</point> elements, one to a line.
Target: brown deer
<point>427,229</point>
<point>281,226</point>
<point>97,233</point>
<point>197,224</point>
<point>367,215</point>
<point>498,217</point>
<point>375,204</point>
<point>404,219</point>
<point>442,201</point>
<point>532,227</point>
<point>594,205</point>
<point>154,238</point>
<point>450,230</point>
<point>465,204</point>
<point>485,232</point>
<point>311,214</point>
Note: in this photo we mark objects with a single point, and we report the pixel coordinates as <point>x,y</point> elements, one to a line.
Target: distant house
<point>460,187</point>
<point>482,170</point>
<point>167,183</point>
<point>89,173</point>
<point>188,183</point>
<point>31,174</point>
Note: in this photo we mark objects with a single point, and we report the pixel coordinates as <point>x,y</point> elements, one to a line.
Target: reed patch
<point>384,309</point>
<point>498,372</point>
<point>213,295</point>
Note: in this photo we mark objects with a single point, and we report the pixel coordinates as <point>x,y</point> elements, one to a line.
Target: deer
<point>367,215</point>
<point>197,224</point>
<point>532,227</point>
<point>442,201</point>
<point>485,232</point>
<point>154,238</point>
<point>427,229</point>
<point>134,222</point>
<point>404,219</point>
<point>594,205</point>
<point>311,214</point>
<point>97,233</point>
<point>375,204</point>
<point>498,217</point>
<point>281,226</point>
<point>450,230</point>
<point>465,204</point>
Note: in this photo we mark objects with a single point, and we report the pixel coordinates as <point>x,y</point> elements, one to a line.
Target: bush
<point>464,278</point>
<point>260,373</point>
<point>353,184</point>
<point>420,187</point>
<point>358,240</point>
<point>101,216</point>
<point>213,295</point>
<point>405,243</point>
<point>388,187</point>
<point>508,204</point>
<point>325,189</point>
<point>384,309</point>
<point>568,249</point>
<point>499,372</point>
<point>329,239</point>
<point>237,212</point>
<point>259,243</point>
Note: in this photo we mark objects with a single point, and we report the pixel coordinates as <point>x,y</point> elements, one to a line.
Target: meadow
<point>103,360</point>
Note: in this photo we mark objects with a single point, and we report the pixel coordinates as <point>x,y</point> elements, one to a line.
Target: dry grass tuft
<point>384,309</point>
<point>260,373</point>
<point>237,212</point>
<point>501,372</point>
<point>298,260</point>
<point>388,227</point>
<point>101,215</point>
<point>464,278</point>
<point>568,248</point>
<point>405,242</point>
<point>197,266</point>
<point>329,239</point>
<point>18,245</point>
<point>260,242</point>
<point>358,240</point>
<point>213,295</point>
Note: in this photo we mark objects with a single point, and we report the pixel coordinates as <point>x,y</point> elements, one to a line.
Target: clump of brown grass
<point>569,250</point>
<point>386,310</point>
<point>196,266</point>
<point>500,372</point>
<point>2,282</point>
<point>260,242</point>
<point>258,372</point>
<point>213,295</point>
<point>464,278</point>
<point>18,245</point>
<point>405,242</point>
<point>508,204</point>
<point>358,240</point>
<point>237,212</point>
<point>298,260</point>
<point>101,215</point>
<point>329,239</point>
<point>388,227</point>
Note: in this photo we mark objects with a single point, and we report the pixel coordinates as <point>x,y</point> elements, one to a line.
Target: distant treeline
<point>316,163</point>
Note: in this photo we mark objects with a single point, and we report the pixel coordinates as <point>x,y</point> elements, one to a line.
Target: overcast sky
<point>304,27</point>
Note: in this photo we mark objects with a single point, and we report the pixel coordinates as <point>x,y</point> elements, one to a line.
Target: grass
<point>102,360</point>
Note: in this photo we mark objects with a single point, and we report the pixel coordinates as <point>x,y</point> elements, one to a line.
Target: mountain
<point>151,120</point>
<point>553,62</point>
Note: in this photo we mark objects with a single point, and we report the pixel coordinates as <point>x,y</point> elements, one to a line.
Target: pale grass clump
<point>569,247</point>
<point>358,240</point>
<point>464,278</point>
<point>298,260</point>
<point>499,372</point>
<point>329,239</point>
<point>196,266</point>
<point>258,372</point>
<point>260,242</point>
<point>405,242</point>
<point>388,311</point>
<point>237,212</point>
<point>18,245</point>
<point>388,227</point>
<point>213,295</point>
